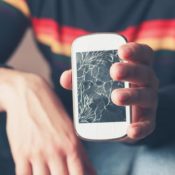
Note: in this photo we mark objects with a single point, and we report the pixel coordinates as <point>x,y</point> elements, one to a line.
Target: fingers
<point>66,79</point>
<point>72,165</point>
<point>140,130</point>
<point>137,53</point>
<point>55,161</point>
<point>55,167</point>
<point>40,167</point>
<point>23,167</point>
<point>75,166</point>
<point>143,97</point>
<point>78,162</point>
<point>140,75</point>
<point>58,165</point>
<point>143,102</point>
<point>131,52</point>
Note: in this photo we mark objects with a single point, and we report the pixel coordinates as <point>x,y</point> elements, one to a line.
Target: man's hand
<point>142,94</point>
<point>41,135</point>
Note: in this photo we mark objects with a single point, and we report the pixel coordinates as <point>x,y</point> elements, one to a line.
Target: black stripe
<point>102,15</point>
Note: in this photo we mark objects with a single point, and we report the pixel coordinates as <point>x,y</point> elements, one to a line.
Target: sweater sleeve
<point>14,20</point>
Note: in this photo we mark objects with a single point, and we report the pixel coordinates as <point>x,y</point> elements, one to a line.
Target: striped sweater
<point>56,23</point>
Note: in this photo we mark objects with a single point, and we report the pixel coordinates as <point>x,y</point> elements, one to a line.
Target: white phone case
<point>95,116</point>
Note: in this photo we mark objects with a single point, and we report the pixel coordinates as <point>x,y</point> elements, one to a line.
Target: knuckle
<point>74,156</point>
<point>128,50</point>
<point>18,156</point>
<point>58,148</point>
<point>35,153</point>
<point>73,148</point>
<point>54,150</point>
<point>135,48</point>
<point>21,169</point>
<point>133,45</point>
<point>21,172</point>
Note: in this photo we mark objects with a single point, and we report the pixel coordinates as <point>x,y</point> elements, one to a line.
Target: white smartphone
<point>95,116</point>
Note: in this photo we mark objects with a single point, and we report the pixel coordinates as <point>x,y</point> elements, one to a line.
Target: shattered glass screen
<point>95,85</point>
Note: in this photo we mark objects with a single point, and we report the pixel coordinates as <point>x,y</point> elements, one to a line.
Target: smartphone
<point>95,116</point>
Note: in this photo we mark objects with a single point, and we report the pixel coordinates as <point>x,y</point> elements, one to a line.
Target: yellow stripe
<point>20,5</point>
<point>166,43</point>
<point>55,46</point>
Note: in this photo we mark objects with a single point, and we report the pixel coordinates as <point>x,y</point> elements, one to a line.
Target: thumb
<point>66,79</point>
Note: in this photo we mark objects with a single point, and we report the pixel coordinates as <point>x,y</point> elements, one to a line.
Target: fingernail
<point>120,99</point>
<point>122,73</point>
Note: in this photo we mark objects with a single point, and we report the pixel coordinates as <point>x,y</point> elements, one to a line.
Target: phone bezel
<point>97,131</point>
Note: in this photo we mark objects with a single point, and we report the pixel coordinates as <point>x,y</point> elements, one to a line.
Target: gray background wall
<point>28,58</point>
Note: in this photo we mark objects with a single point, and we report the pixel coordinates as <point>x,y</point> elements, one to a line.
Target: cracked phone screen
<point>94,86</point>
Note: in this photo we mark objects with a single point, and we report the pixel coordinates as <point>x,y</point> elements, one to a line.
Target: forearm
<point>12,83</point>
<point>36,117</point>
<point>15,84</point>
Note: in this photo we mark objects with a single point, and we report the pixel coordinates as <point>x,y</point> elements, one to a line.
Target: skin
<point>136,68</point>
<point>41,135</point>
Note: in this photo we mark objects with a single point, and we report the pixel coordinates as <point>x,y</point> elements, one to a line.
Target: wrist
<point>15,85</point>
<point>10,81</point>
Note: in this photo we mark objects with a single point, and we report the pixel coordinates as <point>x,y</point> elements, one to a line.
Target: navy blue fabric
<point>153,155</point>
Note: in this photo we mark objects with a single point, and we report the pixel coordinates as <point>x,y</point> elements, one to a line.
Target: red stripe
<point>65,34</point>
<point>150,29</point>
<point>46,26</point>
<point>61,33</point>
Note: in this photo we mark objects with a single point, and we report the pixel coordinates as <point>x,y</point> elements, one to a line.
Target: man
<point>40,132</point>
